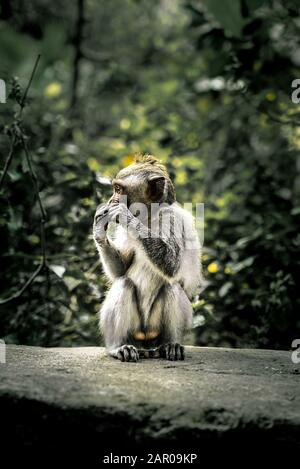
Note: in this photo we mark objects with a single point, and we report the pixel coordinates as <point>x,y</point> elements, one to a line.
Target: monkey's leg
<point>119,316</point>
<point>176,317</point>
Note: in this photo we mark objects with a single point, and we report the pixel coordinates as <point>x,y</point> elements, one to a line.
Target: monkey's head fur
<point>145,181</point>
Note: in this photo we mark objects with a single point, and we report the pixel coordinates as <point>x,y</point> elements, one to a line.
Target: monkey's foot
<point>172,351</point>
<point>126,353</point>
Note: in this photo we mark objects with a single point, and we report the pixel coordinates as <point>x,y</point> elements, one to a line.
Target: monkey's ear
<point>156,186</point>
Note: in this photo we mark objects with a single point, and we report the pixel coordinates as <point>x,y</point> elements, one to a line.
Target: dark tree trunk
<point>77,41</point>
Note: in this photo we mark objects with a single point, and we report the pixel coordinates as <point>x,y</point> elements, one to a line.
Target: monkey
<point>152,258</point>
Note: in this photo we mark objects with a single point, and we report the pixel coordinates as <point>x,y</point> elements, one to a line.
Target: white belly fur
<point>147,284</point>
<point>145,277</point>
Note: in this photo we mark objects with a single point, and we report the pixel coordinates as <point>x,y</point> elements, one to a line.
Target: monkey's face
<point>138,188</point>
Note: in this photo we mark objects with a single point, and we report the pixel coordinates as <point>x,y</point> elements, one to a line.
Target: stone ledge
<point>64,398</point>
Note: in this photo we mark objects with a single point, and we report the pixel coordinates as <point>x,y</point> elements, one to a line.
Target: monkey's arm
<point>164,251</point>
<point>163,248</point>
<point>114,263</point>
<point>165,255</point>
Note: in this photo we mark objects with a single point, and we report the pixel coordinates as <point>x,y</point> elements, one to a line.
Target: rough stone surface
<point>81,399</point>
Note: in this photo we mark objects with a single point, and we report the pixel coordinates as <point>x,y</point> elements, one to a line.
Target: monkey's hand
<point>126,353</point>
<point>172,351</point>
<point>101,220</point>
<point>119,213</point>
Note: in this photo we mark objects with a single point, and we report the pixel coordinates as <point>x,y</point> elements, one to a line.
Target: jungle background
<point>203,85</point>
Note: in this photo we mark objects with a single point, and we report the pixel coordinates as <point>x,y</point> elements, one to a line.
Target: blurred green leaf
<point>228,15</point>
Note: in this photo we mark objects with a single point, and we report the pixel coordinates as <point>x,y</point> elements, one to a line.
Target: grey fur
<point>154,273</point>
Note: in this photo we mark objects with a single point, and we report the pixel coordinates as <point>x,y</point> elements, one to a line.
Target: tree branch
<point>14,139</point>
<point>34,178</point>
<point>42,227</point>
<point>23,100</point>
<point>25,286</point>
<point>8,160</point>
<point>37,192</point>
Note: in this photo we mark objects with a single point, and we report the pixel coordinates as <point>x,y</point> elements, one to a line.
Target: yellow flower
<point>125,124</point>
<point>228,270</point>
<point>213,268</point>
<point>52,90</point>
<point>181,178</point>
<point>221,202</point>
<point>127,160</point>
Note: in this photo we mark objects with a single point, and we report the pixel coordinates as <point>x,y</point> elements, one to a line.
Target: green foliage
<point>206,87</point>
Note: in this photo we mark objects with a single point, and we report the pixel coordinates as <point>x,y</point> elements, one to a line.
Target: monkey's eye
<point>118,189</point>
